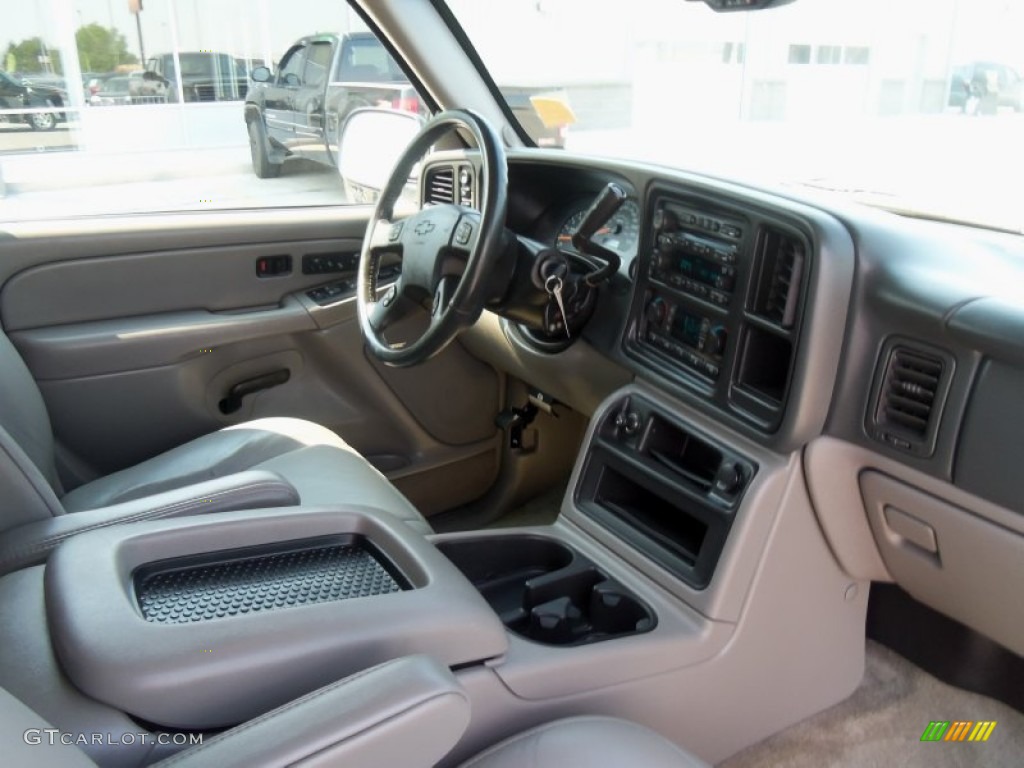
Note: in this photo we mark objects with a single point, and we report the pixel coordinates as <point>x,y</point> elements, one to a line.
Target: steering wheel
<point>448,252</point>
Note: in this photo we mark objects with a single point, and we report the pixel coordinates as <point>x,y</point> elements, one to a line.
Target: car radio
<point>696,253</point>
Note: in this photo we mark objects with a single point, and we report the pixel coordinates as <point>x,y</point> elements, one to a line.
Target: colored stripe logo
<point>958,730</point>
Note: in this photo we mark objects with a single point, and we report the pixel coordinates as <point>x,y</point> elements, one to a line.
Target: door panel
<point>108,346</point>
<point>136,283</point>
<point>135,349</point>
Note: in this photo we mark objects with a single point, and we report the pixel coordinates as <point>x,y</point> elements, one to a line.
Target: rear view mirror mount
<point>726,6</point>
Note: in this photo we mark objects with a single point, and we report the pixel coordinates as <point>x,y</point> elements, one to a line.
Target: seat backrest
<point>28,475</point>
<point>29,740</point>
<point>23,412</point>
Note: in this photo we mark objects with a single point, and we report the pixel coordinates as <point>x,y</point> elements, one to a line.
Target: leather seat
<point>407,713</point>
<point>267,462</point>
<point>321,467</point>
<point>585,742</point>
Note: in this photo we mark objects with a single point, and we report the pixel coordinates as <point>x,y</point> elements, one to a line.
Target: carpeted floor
<point>881,725</point>
<point>540,510</point>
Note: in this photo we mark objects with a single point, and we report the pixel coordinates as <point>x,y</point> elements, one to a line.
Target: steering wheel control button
<point>390,296</point>
<point>463,233</point>
<point>395,232</point>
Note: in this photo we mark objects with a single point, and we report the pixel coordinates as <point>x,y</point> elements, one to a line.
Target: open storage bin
<point>664,487</point>
<point>223,584</point>
<point>545,591</point>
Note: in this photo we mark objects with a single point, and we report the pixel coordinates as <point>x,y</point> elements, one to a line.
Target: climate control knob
<point>717,337</point>
<point>729,479</point>
<point>657,311</point>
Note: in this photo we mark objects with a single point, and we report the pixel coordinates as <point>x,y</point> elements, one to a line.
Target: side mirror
<point>261,75</point>
<point>370,144</point>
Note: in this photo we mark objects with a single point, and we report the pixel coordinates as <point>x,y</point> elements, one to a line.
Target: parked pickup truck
<point>38,105</point>
<point>299,109</point>
<point>205,76</point>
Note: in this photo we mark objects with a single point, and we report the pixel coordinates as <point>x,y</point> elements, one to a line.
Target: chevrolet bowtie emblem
<point>424,228</point>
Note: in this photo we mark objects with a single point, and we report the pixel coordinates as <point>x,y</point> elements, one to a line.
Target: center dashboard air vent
<point>908,405</point>
<point>780,259</point>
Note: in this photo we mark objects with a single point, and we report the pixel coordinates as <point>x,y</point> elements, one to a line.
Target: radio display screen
<point>701,270</point>
<point>688,328</point>
<point>692,330</point>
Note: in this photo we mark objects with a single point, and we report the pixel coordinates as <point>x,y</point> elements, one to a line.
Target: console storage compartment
<point>218,585</point>
<point>205,622</point>
<point>547,592</point>
<point>666,489</point>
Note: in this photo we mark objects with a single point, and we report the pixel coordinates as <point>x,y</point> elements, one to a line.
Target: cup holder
<point>543,590</point>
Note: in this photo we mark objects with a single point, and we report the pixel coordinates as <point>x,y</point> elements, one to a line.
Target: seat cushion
<point>321,466</point>
<point>585,742</point>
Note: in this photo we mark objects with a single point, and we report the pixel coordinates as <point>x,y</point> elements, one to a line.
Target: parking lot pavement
<point>18,138</point>
<point>51,185</point>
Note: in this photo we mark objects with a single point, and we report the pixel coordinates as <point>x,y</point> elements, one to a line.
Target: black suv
<point>16,95</point>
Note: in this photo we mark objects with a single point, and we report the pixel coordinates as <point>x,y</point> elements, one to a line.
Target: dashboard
<point>713,292</point>
<point>718,302</point>
<point>885,351</point>
<point>788,318</point>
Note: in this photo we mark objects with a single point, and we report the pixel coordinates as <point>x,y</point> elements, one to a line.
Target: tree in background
<point>102,49</point>
<point>26,57</point>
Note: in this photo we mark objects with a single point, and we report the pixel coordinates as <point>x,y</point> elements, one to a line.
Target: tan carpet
<point>540,510</point>
<point>882,722</point>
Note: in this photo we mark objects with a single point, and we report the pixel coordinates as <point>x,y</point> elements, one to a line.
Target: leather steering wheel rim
<point>427,239</point>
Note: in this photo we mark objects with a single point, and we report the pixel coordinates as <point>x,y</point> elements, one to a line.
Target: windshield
<point>913,106</point>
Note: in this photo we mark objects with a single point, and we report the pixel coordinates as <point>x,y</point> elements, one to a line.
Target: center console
<point>663,487</point>
<point>205,622</point>
<point>548,592</point>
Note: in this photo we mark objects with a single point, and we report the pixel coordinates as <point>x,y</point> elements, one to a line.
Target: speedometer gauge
<point>620,233</point>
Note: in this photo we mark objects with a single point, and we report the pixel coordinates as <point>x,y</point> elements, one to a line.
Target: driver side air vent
<point>780,258</point>
<point>909,400</point>
<point>440,186</point>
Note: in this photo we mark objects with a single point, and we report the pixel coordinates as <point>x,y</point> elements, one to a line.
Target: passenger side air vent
<point>909,400</point>
<point>440,186</point>
<point>780,260</point>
